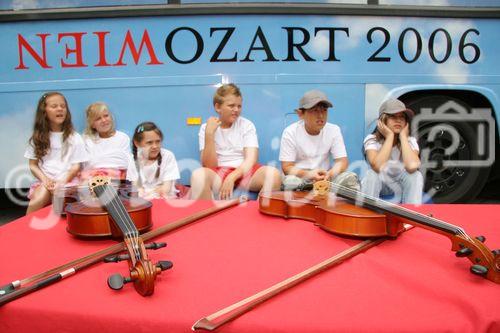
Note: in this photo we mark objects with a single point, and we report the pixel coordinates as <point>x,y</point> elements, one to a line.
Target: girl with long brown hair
<point>55,149</point>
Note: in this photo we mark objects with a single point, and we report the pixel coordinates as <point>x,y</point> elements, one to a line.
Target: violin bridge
<point>321,188</point>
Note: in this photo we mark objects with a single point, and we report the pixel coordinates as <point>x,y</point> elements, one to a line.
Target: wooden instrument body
<point>330,213</point>
<point>76,193</point>
<point>87,218</point>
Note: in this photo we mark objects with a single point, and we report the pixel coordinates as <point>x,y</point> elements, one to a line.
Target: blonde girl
<point>108,148</point>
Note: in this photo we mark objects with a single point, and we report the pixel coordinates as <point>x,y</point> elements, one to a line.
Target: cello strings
<point>131,229</point>
<point>123,211</point>
<point>358,196</point>
<point>381,203</point>
<point>129,224</point>
<point>129,232</point>
<point>109,203</point>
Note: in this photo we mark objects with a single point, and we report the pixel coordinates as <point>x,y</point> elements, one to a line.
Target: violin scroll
<point>486,263</point>
<point>143,272</point>
<point>116,281</point>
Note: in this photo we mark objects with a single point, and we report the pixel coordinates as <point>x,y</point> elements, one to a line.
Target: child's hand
<point>386,131</point>
<point>148,195</point>
<point>161,193</point>
<point>405,132</point>
<point>158,191</point>
<point>226,189</point>
<point>212,124</point>
<point>59,184</point>
<point>317,174</point>
<point>49,184</point>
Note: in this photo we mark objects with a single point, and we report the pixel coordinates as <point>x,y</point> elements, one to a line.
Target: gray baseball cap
<point>313,97</point>
<point>393,106</point>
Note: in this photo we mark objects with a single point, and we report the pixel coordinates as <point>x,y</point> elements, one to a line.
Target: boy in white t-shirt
<point>392,154</point>
<point>307,145</point>
<point>229,152</point>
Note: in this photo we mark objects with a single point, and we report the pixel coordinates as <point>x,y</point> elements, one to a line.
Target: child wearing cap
<point>307,145</point>
<point>229,152</point>
<point>392,154</point>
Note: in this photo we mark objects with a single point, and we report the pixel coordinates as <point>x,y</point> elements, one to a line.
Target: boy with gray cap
<point>307,145</point>
<point>393,156</point>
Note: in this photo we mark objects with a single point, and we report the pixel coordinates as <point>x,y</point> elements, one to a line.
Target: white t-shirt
<point>112,152</point>
<point>54,164</point>
<point>394,165</point>
<point>229,142</point>
<point>168,172</point>
<point>311,151</point>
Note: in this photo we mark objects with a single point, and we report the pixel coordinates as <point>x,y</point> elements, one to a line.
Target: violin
<point>87,218</point>
<point>359,215</point>
<point>330,213</point>
<point>22,287</point>
<point>142,271</point>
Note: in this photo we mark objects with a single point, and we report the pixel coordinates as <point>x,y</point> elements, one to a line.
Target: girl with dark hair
<point>392,154</point>
<point>55,150</point>
<point>155,170</point>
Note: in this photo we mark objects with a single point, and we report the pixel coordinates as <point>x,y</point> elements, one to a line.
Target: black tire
<point>449,184</point>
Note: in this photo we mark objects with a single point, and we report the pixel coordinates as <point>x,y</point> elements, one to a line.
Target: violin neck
<point>409,215</point>
<point>108,197</point>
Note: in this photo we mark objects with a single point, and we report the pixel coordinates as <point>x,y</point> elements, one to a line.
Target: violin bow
<point>235,310</point>
<point>20,288</point>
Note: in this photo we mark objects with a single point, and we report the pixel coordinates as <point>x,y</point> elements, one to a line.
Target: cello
<point>365,216</point>
<point>142,271</point>
<point>22,287</point>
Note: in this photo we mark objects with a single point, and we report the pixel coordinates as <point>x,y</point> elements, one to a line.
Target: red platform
<point>412,284</point>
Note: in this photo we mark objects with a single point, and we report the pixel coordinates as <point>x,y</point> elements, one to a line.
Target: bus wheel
<point>444,182</point>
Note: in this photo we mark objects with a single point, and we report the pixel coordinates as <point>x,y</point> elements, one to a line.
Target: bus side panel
<point>165,69</point>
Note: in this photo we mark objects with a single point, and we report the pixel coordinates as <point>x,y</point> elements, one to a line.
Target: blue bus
<point>162,61</point>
